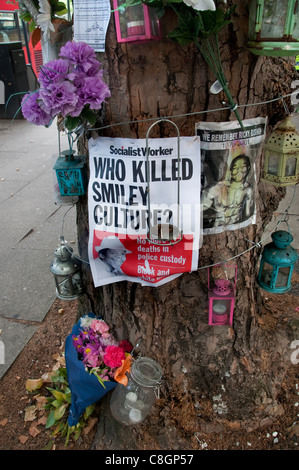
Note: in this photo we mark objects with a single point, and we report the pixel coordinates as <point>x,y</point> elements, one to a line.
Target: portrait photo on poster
<point>228,156</point>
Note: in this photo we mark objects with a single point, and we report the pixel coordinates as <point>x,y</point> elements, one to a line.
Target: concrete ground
<point>31,225</point>
<point>30,230</point>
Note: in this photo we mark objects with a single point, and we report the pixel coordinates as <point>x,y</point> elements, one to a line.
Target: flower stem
<point>210,55</point>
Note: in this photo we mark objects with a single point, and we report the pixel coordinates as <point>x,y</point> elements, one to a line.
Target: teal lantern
<point>274,27</point>
<point>70,172</point>
<point>277,263</point>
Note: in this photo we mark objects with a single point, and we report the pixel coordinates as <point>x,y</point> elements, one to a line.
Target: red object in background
<point>13,29</point>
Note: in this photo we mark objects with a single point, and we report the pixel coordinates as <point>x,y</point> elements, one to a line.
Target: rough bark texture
<point>211,374</point>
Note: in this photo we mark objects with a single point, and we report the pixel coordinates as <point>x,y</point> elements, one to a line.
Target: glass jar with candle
<point>131,404</point>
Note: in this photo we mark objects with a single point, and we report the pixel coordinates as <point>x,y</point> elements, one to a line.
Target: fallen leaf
<point>30,413</point>
<point>47,377</point>
<point>41,401</point>
<point>33,384</point>
<point>90,424</point>
<point>33,431</point>
<point>42,420</point>
<point>4,422</point>
<point>23,439</point>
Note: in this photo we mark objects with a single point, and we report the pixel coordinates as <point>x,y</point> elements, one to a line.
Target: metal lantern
<point>281,167</point>
<point>277,263</point>
<point>136,23</point>
<point>222,295</point>
<point>70,172</point>
<point>67,274</point>
<point>274,27</point>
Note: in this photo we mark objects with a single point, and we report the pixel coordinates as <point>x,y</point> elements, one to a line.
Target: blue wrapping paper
<point>85,388</point>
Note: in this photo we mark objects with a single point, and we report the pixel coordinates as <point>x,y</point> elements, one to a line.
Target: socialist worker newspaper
<point>144,209</point>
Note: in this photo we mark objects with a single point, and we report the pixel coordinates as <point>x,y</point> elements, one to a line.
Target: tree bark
<point>212,376</point>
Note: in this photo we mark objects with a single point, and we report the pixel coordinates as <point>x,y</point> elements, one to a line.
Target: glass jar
<point>130,404</point>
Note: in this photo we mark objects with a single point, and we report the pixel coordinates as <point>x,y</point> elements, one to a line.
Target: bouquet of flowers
<point>71,86</point>
<point>95,363</point>
<point>100,352</point>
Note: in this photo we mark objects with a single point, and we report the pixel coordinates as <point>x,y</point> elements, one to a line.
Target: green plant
<point>58,404</point>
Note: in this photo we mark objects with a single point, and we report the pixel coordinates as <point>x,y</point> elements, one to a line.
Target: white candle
<point>219,309</point>
<point>132,397</point>
<point>135,415</point>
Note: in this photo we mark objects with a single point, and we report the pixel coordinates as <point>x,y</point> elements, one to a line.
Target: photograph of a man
<point>112,254</point>
<point>230,201</point>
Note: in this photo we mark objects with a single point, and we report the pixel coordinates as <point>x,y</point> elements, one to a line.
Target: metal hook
<point>177,234</point>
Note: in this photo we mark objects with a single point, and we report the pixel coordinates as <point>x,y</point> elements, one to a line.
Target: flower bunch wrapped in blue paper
<point>95,363</point>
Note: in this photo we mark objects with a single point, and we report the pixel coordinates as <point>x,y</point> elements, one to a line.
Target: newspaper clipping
<point>228,156</point>
<point>132,237</point>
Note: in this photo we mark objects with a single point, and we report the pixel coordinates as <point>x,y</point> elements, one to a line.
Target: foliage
<point>53,394</point>
<point>58,404</point>
<point>58,8</point>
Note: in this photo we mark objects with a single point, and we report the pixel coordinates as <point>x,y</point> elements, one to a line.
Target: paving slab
<point>14,336</point>
<point>30,230</point>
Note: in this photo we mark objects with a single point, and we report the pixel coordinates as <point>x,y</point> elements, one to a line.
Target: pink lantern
<point>136,23</point>
<point>222,297</point>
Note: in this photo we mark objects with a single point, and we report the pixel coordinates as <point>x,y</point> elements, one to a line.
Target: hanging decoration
<point>132,403</point>
<point>70,171</point>
<point>166,232</point>
<point>91,21</point>
<point>277,263</point>
<point>135,22</point>
<point>274,27</point>
<point>222,294</point>
<point>70,88</point>
<point>66,269</point>
<point>119,215</point>
<point>228,156</point>
<point>281,165</point>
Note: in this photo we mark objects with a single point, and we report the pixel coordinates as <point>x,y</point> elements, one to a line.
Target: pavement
<point>32,221</point>
<point>31,218</point>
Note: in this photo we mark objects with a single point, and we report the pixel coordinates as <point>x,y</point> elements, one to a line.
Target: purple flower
<point>53,71</point>
<point>32,110</point>
<point>80,54</point>
<point>93,91</point>
<point>61,98</point>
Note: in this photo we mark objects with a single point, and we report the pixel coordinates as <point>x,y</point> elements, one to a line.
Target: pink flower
<point>91,359</point>
<point>113,356</point>
<point>99,326</point>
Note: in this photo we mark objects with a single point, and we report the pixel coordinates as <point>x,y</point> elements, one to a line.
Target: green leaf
<point>50,420</point>
<point>49,445</point>
<point>89,116</point>
<point>71,123</point>
<point>88,411</point>
<point>59,412</point>
<point>32,26</point>
<point>57,394</point>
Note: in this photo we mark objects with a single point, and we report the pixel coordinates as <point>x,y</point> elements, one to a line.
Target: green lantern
<point>274,27</point>
<point>70,171</point>
<point>281,166</point>
<point>277,263</point>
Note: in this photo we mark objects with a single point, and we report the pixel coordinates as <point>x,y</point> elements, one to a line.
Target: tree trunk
<point>212,376</point>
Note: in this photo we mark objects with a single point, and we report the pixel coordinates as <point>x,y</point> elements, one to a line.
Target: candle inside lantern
<point>220,309</point>
<point>134,28</point>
